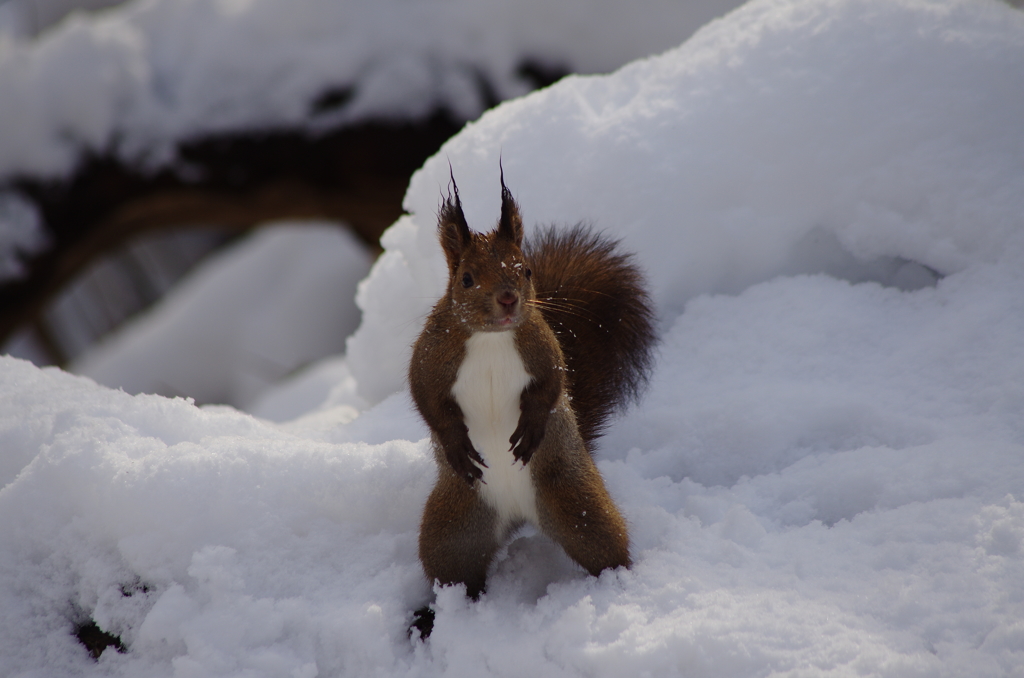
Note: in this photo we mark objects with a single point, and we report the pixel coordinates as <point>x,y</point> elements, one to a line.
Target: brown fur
<point>594,300</point>
<point>582,327</point>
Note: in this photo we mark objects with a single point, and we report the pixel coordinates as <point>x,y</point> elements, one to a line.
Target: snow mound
<point>824,479</point>
<point>871,141</point>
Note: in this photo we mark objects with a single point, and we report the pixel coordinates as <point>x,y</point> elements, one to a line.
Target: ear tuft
<point>510,225</point>
<point>452,229</point>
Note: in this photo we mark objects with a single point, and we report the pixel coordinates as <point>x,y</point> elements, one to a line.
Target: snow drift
<point>824,479</point>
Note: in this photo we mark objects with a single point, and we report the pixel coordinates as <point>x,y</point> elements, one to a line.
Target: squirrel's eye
<point>528,273</point>
<point>467,280</point>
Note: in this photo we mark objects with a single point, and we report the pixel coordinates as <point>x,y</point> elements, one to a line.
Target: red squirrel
<point>519,365</point>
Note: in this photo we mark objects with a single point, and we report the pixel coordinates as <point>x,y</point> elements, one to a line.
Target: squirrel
<point>518,367</point>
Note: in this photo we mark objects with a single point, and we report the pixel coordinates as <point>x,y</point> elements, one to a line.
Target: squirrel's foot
<point>422,622</point>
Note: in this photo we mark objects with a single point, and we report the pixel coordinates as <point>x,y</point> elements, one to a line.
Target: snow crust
<point>137,80</point>
<point>825,477</point>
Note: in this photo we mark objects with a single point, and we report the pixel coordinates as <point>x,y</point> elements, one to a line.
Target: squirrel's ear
<point>452,229</point>
<point>511,224</point>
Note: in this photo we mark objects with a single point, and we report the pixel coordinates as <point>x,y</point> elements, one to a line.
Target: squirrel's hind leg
<point>576,511</point>
<point>458,535</point>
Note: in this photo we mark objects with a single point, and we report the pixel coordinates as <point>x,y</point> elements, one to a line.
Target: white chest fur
<point>490,381</point>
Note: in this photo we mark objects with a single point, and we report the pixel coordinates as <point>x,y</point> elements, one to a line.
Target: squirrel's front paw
<point>461,454</point>
<point>526,439</point>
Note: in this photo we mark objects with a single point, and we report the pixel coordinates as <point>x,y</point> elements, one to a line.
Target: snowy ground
<point>825,477</point>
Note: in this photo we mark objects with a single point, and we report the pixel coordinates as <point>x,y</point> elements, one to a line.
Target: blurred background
<point>27,18</point>
<point>191,190</point>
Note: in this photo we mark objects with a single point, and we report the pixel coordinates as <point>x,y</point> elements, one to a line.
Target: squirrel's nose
<point>508,300</point>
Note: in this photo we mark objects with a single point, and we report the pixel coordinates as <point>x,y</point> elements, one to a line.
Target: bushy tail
<point>595,301</point>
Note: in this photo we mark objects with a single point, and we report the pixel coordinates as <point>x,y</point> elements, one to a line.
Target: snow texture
<point>825,478</point>
<point>136,81</point>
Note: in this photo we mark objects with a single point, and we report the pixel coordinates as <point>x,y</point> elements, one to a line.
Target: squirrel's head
<point>489,278</point>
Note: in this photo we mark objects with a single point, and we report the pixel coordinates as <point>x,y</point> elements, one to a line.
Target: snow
<point>863,140</point>
<point>136,81</point>
<point>247,318</point>
<point>825,478</point>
